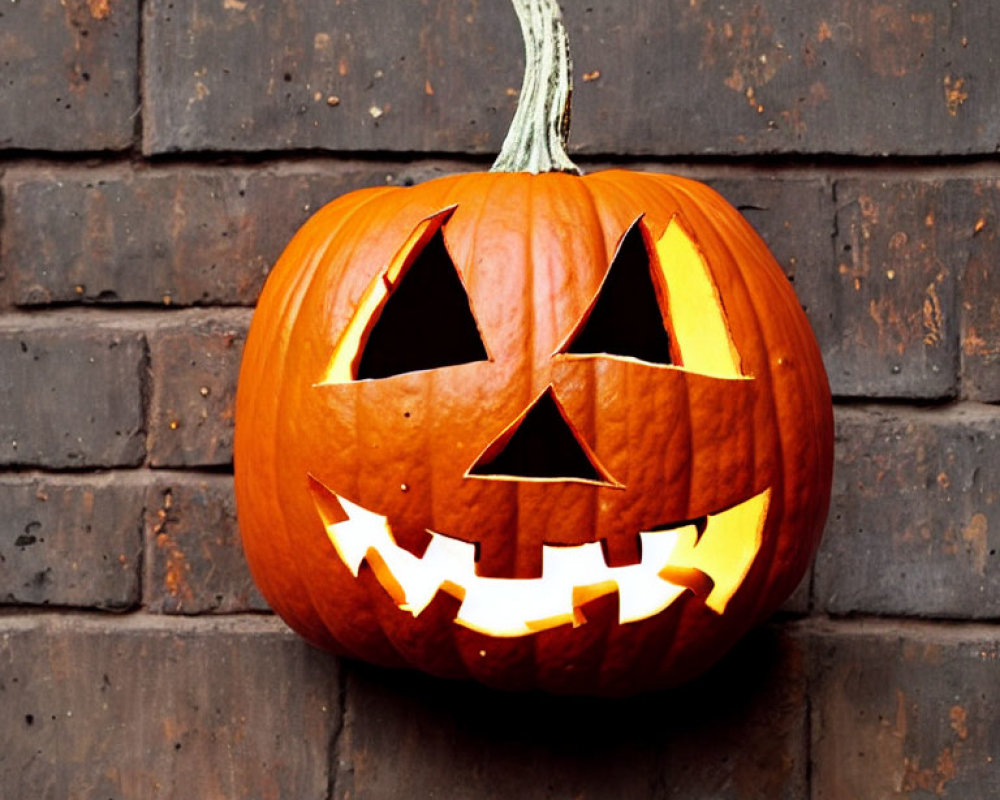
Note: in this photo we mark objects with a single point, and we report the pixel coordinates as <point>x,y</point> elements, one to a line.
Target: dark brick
<point>224,77</point>
<point>912,527</point>
<point>144,707</point>
<point>907,711</point>
<point>70,541</point>
<point>978,244</point>
<point>891,327</point>
<point>69,74</point>
<point>796,218</point>
<point>793,215</point>
<point>194,560</point>
<point>930,236</point>
<point>737,733</point>
<point>785,76</point>
<point>161,236</point>
<point>194,364</point>
<point>71,394</point>
<point>799,601</point>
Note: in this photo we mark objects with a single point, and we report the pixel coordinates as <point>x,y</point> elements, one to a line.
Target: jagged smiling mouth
<point>712,565</point>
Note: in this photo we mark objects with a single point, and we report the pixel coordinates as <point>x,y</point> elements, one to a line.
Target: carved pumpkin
<point>539,430</point>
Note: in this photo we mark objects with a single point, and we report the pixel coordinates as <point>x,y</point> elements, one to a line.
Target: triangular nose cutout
<point>540,445</point>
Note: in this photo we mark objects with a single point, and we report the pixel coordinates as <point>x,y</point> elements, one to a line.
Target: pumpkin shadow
<point>748,712</point>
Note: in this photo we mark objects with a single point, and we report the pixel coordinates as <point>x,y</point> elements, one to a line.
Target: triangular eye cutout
<point>426,321</point>
<point>540,445</point>
<point>626,316</point>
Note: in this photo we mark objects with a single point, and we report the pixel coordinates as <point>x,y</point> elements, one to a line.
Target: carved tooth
<point>641,590</point>
<point>350,543</point>
<point>574,565</point>
<point>418,597</point>
<point>728,547</point>
<point>587,594</point>
<point>659,546</point>
<point>362,530</point>
<point>451,558</point>
<point>699,582</point>
<point>644,594</point>
<point>418,591</point>
<point>445,559</point>
<point>495,606</point>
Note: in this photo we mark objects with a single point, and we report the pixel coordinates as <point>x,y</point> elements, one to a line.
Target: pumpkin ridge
<point>482,204</point>
<point>286,291</point>
<point>527,298</point>
<point>794,550</point>
<point>391,625</point>
<point>456,196</point>
<point>811,384</point>
<point>766,378</point>
<point>632,200</point>
<point>615,188</point>
<point>588,209</point>
<point>679,187</point>
<point>381,648</point>
<point>620,641</point>
<point>642,190</point>
<point>457,192</point>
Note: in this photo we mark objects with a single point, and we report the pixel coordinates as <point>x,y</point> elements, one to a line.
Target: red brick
<point>795,217</point>
<point>320,75</point>
<point>979,248</point>
<point>893,296</point>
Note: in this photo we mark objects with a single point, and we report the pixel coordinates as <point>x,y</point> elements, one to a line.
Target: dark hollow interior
<point>626,319</point>
<point>426,322</point>
<point>542,446</point>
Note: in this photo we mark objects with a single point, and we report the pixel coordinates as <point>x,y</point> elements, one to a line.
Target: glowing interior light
<point>571,575</point>
<point>705,342</point>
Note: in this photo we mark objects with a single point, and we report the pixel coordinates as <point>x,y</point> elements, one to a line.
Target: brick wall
<point>155,155</point>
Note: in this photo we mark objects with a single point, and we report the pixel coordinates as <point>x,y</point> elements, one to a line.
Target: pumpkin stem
<point>536,141</point>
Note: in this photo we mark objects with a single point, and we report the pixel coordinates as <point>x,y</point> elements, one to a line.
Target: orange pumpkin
<point>539,430</point>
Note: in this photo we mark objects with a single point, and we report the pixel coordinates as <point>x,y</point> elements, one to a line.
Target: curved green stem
<point>536,141</point>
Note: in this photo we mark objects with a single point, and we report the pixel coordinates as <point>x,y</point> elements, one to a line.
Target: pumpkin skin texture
<point>669,442</point>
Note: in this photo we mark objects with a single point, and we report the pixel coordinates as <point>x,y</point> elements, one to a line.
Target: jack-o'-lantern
<point>532,428</point>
